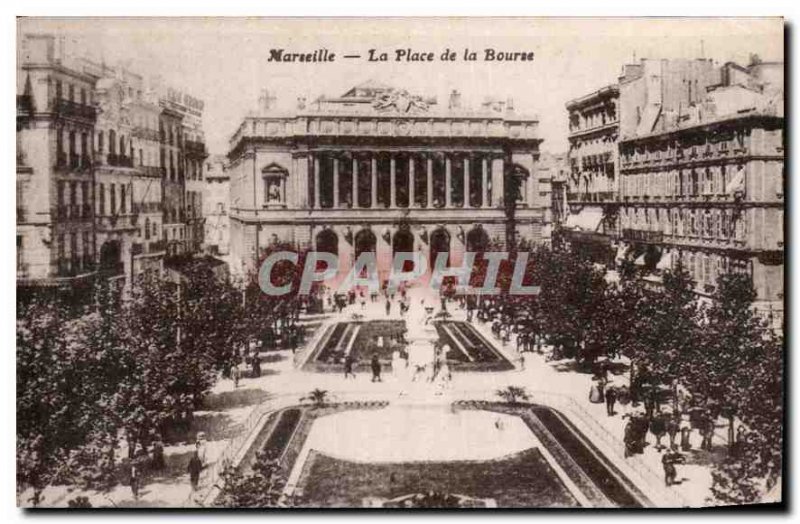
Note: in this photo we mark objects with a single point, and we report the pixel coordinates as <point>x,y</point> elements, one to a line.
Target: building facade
<point>700,174</point>
<point>591,214</point>
<point>55,174</point>
<point>380,170</point>
<point>216,204</point>
<point>100,190</point>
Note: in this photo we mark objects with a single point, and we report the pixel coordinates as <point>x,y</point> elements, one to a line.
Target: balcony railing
<point>151,171</point>
<point>67,108</point>
<point>194,147</point>
<point>146,207</point>
<point>641,235</point>
<point>145,133</point>
<point>594,196</point>
<point>119,160</point>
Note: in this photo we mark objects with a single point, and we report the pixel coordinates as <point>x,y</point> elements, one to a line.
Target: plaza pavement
<point>230,408</point>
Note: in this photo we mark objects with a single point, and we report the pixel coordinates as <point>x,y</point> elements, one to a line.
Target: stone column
<point>497,181</point>
<point>374,182</point>
<point>316,182</point>
<point>448,182</point>
<point>430,182</point>
<point>301,175</point>
<point>484,182</point>
<point>392,182</point>
<point>335,181</point>
<point>466,182</point>
<point>355,182</point>
<point>411,195</point>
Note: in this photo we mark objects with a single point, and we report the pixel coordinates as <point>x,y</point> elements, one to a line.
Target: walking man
<point>375,364</point>
<point>388,307</point>
<point>195,467</point>
<point>237,375</point>
<point>348,366</point>
<point>135,479</point>
<point>611,399</point>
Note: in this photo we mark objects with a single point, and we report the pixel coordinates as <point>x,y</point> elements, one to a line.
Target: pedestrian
<point>611,399</point>
<point>707,431</point>
<point>673,428</point>
<point>256,366</point>
<point>741,437</point>
<point>388,307</point>
<point>348,366</point>
<point>686,431</point>
<point>135,479</point>
<point>237,375</point>
<point>396,364</point>
<point>375,364</point>
<point>195,467</point>
<point>158,455</point>
<point>596,392</point>
<point>658,427</point>
<point>668,461</point>
<point>629,437</point>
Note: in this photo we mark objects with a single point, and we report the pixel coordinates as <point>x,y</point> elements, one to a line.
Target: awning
<point>640,261</point>
<point>585,220</point>
<point>665,262</point>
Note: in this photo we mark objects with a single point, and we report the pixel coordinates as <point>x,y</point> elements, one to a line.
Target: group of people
<point>144,463</point>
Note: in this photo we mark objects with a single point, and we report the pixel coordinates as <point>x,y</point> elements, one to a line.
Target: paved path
<point>281,377</point>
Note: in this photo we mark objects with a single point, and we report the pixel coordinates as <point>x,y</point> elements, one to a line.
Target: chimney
<point>455,100</point>
<point>510,105</point>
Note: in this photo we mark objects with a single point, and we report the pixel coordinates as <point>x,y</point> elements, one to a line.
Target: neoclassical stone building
<point>378,169</point>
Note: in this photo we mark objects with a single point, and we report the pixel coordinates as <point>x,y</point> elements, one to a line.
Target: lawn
<point>382,337</point>
<point>520,480</point>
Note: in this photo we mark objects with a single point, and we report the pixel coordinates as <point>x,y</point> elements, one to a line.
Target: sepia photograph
<point>400,263</point>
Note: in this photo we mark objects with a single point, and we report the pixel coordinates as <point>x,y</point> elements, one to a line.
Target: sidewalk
<point>230,410</point>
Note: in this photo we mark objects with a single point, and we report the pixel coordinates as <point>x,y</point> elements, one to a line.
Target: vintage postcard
<point>400,263</point>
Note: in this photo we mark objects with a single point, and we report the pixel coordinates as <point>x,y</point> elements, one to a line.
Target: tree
<point>513,394</point>
<point>261,488</point>
<point>319,397</point>
<point>745,379</point>
<point>56,389</point>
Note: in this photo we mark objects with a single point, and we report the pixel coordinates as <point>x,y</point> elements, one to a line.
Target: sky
<point>223,61</point>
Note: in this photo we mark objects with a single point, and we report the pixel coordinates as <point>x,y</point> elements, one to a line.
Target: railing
<point>236,445</point>
<point>119,160</point>
<point>640,235</point>
<point>592,196</point>
<point>595,432</point>
<point>152,171</point>
<point>193,146</point>
<point>73,109</point>
<point>145,133</point>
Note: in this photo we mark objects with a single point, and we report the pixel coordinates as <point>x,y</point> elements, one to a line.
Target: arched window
<point>147,229</point>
